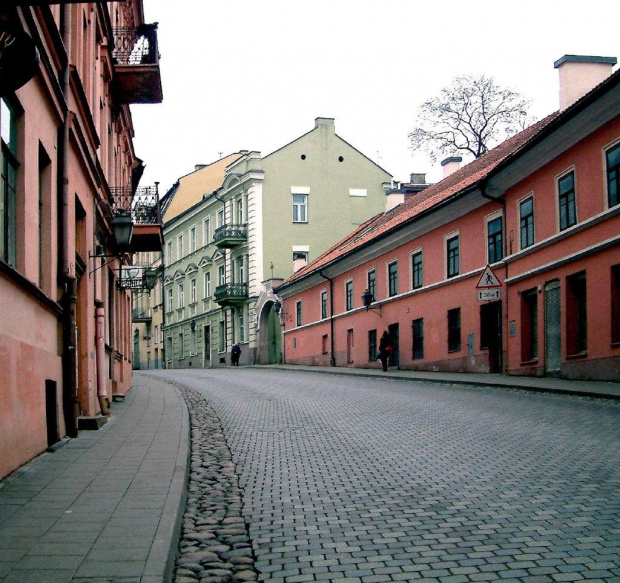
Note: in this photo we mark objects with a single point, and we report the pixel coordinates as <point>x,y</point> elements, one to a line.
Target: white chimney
<point>451,165</point>
<point>326,122</point>
<point>579,74</point>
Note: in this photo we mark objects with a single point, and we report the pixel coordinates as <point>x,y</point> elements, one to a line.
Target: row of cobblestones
<point>214,546</point>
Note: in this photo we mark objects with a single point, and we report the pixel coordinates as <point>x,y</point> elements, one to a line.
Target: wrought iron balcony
<point>138,277</point>
<point>143,206</point>
<point>141,315</point>
<point>136,64</point>
<point>231,294</point>
<point>228,236</point>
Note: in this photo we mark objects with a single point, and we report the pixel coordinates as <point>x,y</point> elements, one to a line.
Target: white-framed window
<point>526,222</point>
<point>169,253</point>
<point>181,297</point>
<point>206,231</point>
<point>300,208</point>
<point>221,273</point>
<point>207,288</point>
<point>241,270</point>
<point>156,333</point>
<point>417,269</point>
<point>180,246</point>
<point>8,184</point>
<point>169,300</point>
<point>453,254</point>
<point>300,259</point>
<point>298,313</point>
<point>242,324</point>
<point>192,291</point>
<point>220,218</point>
<point>495,235</point>
<point>181,346</point>
<point>348,292</point>
<point>240,215</point>
<point>192,239</point>
<point>567,203</point>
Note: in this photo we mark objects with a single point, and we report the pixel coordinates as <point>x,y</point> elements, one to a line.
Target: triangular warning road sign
<point>488,279</point>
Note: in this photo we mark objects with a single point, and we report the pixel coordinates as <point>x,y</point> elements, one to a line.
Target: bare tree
<point>471,115</point>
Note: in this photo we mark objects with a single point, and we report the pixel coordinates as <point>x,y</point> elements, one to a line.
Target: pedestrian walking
<point>235,353</point>
<point>385,349</point>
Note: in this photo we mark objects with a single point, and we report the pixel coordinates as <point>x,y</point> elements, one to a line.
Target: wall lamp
<point>277,306</point>
<point>192,325</point>
<point>367,299</point>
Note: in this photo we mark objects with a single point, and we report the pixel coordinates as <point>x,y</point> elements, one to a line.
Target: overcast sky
<point>253,75</point>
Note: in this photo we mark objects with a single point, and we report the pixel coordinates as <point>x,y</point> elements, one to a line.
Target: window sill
<point>450,351</point>
<point>530,362</point>
<point>615,344</point>
<point>577,355</point>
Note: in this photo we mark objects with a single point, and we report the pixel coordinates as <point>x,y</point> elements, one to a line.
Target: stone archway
<point>269,336</point>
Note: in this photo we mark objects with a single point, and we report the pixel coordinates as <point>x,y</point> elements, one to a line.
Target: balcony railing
<point>229,294</point>
<point>136,62</point>
<point>143,206</point>
<point>230,235</point>
<point>141,315</point>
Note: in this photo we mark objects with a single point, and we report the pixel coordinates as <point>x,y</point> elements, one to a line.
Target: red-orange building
<point>542,209</point>
<point>69,185</point>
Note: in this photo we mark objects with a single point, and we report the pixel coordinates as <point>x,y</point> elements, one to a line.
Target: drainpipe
<point>502,202</point>
<point>332,359</point>
<point>69,360</point>
<point>102,395</point>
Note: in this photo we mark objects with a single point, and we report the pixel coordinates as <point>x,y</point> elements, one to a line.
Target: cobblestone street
<point>370,480</point>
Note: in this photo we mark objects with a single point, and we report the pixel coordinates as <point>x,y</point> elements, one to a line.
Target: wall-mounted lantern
<point>367,299</point>
<point>192,325</point>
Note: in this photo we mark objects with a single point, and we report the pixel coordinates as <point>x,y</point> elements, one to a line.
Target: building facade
<point>268,217</point>
<point>69,200</point>
<point>510,264</point>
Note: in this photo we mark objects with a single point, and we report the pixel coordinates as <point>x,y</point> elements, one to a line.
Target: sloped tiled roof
<point>191,188</point>
<point>457,183</point>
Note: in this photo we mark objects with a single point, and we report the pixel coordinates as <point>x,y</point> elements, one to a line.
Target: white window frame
<point>192,239</point>
<point>207,285</point>
<point>300,208</point>
<point>192,290</point>
<point>180,246</point>
<point>206,231</point>
<point>181,296</point>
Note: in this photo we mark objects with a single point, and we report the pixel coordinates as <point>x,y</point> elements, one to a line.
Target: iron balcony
<point>228,236</point>
<point>231,294</point>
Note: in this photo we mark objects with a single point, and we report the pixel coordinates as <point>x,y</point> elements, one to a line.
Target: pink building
<point>541,209</point>
<point>68,191</point>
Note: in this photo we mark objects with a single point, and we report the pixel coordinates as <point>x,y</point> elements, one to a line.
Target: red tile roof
<point>459,182</point>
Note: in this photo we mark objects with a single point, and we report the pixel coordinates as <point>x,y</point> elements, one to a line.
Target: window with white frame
<point>300,259</point>
<point>417,273</point>
<point>169,253</point>
<point>240,214</point>
<point>612,159</point>
<point>566,200</point>
<point>393,278</point>
<point>181,297</point>
<point>8,183</point>
<point>207,288</point>
<point>180,246</point>
<point>348,286</point>
<point>169,300</point>
<point>221,272</point>
<point>526,222</point>
<point>300,208</point>
<point>206,231</point>
<point>192,291</point>
<point>220,218</point>
<point>192,239</point>
<point>495,243</point>
<point>453,252</point>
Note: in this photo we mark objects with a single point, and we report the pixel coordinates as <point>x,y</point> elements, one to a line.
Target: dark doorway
<point>491,333</point>
<point>394,336</point>
<point>51,411</point>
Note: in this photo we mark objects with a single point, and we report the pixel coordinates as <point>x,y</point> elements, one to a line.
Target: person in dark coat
<point>235,353</point>
<point>385,349</point>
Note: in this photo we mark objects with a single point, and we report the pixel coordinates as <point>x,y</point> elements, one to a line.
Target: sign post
<point>489,286</point>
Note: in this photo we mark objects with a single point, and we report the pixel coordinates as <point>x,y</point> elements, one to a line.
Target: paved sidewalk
<point>108,505</point>
<point>603,389</point>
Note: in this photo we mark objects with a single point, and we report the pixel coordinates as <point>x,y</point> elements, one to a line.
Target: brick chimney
<point>451,165</point>
<point>579,74</point>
